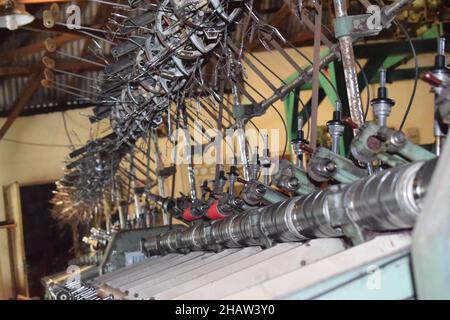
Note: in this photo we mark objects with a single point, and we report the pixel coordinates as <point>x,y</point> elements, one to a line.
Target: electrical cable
<point>416,73</point>
<point>366,112</point>
<point>308,129</point>
<point>37,144</point>
<point>285,130</point>
<point>279,114</point>
<point>66,129</point>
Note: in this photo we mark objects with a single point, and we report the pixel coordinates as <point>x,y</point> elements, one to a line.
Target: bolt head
<point>330,166</point>
<point>260,188</point>
<point>238,202</point>
<point>293,183</point>
<point>398,138</point>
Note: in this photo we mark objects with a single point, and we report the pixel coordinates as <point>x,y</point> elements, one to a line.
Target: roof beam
<point>101,16</point>
<point>70,66</point>
<point>276,21</point>
<point>7,224</point>
<point>32,48</point>
<point>24,97</point>
<point>301,39</point>
<point>38,26</point>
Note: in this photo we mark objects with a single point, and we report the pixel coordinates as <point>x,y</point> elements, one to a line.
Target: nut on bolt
<point>330,167</point>
<point>293,183</point>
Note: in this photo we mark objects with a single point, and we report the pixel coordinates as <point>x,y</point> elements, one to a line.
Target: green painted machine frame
<point>385,55</point>
<point>424,274</point>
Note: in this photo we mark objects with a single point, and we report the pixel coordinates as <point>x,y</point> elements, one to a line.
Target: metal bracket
<point>355,26</point>
<point>340,218</point>
<point>166,172</point>
<point>246,111</point>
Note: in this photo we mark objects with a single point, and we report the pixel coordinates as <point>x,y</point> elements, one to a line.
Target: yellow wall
<point>33,164</point>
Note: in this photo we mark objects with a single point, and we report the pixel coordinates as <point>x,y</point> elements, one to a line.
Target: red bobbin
<point>213,211</point>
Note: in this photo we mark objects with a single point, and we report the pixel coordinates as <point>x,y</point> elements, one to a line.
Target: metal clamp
<point>355,26</point>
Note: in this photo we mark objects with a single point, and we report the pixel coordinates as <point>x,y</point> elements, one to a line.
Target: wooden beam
<point>301,39</point>
<point>24,97</point>
<point>16,240</point>
<point>70,66</point>
<point>38,26</point>
<point>276,21</point>
<point>101,17</point>
<point>7,224</point>
<point>280,16</point>
<point>12,54</point>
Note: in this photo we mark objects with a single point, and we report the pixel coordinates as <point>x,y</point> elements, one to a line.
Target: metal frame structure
<point>179,62</point>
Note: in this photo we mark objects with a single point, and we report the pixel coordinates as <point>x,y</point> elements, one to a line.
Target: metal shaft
<point>389,200</point>
<point>335,143</point>
<point>348,61</point>
<point>243,149</point>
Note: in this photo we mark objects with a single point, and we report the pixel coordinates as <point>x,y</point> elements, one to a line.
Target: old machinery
<point>183,173</point>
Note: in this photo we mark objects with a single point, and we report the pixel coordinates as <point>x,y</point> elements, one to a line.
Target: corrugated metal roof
<point>44,100</point>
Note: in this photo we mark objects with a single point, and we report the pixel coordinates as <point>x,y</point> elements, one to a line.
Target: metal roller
<point>389,200</point>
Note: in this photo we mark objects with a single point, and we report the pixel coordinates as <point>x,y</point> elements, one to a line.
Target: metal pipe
<point>388,13</point>
<point>348,62</point>
<point>266,155</point>
<point>122,218</point>
<point>392,10</point>
<point>190,164</point>
<point>243,149</point>
<point>158,164</point>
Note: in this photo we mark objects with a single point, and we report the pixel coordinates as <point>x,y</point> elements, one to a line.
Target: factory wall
<point>31,164</point>
<point>34,164</point>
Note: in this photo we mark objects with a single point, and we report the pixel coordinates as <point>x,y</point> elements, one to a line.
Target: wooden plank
<point>8,226</point>
<point>25,95</point>
<point>7,288</point>
<point>16,239</point>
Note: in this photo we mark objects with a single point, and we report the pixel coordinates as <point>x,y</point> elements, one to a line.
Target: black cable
<point>321,71</point>
<point>37,144</point>
<point>416,73</point>
<point>368,89</point>
<point>285,130</point>
<point>308,123</point>
<point>279,114</point>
